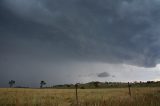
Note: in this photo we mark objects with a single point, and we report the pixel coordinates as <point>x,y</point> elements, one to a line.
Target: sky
<point>70,41</point>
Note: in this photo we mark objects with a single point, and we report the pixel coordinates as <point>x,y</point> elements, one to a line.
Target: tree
<point>42,83</point>
<point>11,83</point>
<point>96,84</point>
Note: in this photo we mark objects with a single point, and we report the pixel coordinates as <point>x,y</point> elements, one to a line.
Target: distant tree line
<point>97,84</point>
<point>94,84</point>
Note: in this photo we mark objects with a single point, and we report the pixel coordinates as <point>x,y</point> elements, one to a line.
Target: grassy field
<point>86,97</point>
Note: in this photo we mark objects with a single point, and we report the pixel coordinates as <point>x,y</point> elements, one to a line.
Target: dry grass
<point>87,97</point>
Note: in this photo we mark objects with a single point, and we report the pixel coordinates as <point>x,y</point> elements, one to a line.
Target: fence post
<point>129,88</point>
<point>76,86</point>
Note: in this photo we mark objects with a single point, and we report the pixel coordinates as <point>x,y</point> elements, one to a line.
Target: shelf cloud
<point>58,31</point>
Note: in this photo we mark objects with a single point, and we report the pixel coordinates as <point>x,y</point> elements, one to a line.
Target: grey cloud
<point>103,74</point>
<point>113,76</point>
<point>107,31</point>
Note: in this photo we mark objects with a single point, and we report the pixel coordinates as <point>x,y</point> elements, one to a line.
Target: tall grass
<point>87,97</point>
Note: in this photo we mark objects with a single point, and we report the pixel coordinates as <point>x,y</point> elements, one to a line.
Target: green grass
<point>87,97</point>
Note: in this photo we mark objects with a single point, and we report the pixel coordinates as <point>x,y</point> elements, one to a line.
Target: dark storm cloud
<point>111,31</point>
<point>107,31</point>
<point>103,74</point>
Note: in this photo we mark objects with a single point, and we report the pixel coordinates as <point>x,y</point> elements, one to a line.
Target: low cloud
<point>103,74</point>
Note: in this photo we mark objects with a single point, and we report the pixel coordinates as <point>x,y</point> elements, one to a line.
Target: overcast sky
<point>69,41</point>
